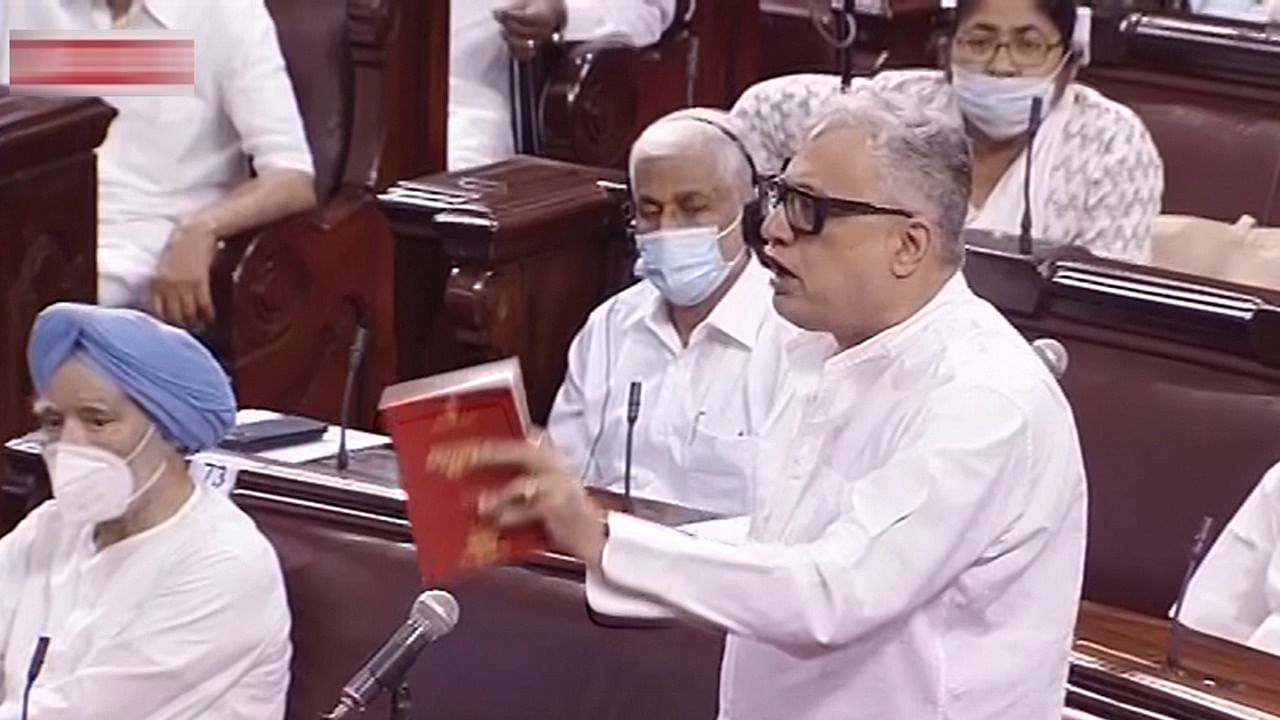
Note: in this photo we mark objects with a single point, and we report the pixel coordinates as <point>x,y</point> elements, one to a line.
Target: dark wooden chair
<point>370,78</point>
<point>589,101</point>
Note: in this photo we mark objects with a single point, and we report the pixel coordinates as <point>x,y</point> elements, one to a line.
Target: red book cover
<point>436,423</point>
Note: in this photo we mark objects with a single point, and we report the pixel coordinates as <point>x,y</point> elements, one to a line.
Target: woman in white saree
<point>1097,178</point>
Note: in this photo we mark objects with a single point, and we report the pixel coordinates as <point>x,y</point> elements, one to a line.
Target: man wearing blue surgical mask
<point>698,333</point>
<point>1096,177</point>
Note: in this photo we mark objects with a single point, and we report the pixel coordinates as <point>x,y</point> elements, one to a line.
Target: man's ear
<point>914,243</point>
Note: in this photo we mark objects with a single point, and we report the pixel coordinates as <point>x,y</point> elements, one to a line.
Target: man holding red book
<point>917,533</point>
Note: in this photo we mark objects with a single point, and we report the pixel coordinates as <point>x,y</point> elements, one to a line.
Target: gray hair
<point>922,156</point>
<point>698,132</point>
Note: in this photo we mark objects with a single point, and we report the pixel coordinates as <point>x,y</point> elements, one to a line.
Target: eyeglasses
<point>1027,51</point>
<point>807,212</point>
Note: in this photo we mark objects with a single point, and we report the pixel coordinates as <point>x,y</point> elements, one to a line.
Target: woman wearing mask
<point>150,597</point>
<point>1097,178</point>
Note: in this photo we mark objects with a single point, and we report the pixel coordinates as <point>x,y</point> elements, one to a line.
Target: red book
<point>436,423</point>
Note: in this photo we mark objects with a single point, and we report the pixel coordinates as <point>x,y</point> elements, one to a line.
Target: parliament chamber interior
<point>415,260</point>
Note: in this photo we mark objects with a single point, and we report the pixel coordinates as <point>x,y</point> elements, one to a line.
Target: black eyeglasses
<point>1026,51</point>
<point>807,213</point>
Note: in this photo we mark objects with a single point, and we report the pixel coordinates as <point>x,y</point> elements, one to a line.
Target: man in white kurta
<point>174,173</point>
<point>483,34</point>
<point>917,541</point>
<point>1235,594</point>
<point>708,370</point>
<point>188,620</point>
<point>160,599</point>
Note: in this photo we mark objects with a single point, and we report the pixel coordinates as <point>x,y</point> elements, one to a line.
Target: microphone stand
<point>846,33</point>
<point>1176,626</point>
<point>633,414</point>
<point>33,672</point>
<point>401,703</point>
<point>354,359</point>
<point>1024,237</point>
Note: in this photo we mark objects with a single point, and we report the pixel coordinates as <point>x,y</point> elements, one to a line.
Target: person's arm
<point>639,23</point>
<point>193,640</point>
<point>260,102</point>
<point>1227,596</point>
<point>1125,193</point>
<point>907,531</point>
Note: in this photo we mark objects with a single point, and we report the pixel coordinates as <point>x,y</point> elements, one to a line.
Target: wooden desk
<point>1121,656</point>
<point>347,553</point>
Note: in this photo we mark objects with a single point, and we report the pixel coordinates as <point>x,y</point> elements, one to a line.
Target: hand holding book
<point>544,494</point>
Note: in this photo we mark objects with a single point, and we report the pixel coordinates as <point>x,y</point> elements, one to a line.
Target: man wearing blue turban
<point>156,598</point>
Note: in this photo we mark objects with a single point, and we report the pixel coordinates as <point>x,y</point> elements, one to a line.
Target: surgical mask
<point>1000,107</point>
<point>685,264</point>
<point>93,485</point>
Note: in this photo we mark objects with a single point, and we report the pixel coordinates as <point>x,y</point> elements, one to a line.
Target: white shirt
<point>1236,592</point>
<point>186,621</point>
<point>480,129</point>
<point>917,543</point>
<point>165,157</point>
<point>701,407</point>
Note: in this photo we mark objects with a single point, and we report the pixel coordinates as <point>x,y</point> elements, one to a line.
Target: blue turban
<point>170,375</point>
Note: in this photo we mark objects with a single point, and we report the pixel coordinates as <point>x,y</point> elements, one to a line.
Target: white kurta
<point>1236,592</point>
<point>702,406</point>
<point>166,157</point>
<point>1098,179</point>
<point>917,544</point>
<point>187,621</point>
<point>479,125</point>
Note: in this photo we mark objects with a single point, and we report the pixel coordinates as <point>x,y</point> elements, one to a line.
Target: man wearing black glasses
<point>917,537</point>
<point>1096,176</point>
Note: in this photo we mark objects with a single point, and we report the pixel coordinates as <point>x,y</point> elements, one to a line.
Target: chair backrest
<point>1175,386</point>
<point>316,42</point>
<point>1209,91</point>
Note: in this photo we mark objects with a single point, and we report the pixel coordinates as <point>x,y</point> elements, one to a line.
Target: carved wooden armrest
<point>289,297</point>
<point>592,107</point>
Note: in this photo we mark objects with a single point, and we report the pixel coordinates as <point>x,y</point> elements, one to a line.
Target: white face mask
<point>93,485</point>
<point>1000,107</point>
<point>685,264</point>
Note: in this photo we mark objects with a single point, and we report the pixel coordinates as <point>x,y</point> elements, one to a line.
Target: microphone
<point>633,414</point>
<point>354,358</point>
<point>1024,237</point>
<point>1176,626</point>
<point>434,614</point>
<point>846,31</point>
<point>33,671</point>
<point>1053,354</point>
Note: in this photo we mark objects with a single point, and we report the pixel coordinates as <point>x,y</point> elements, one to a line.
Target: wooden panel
<point>417,92</point>
<point>291,295</point>
<point>523,250</point>
<point>1123,658</point>
<point>48,226</point>
<point>899,37</point>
